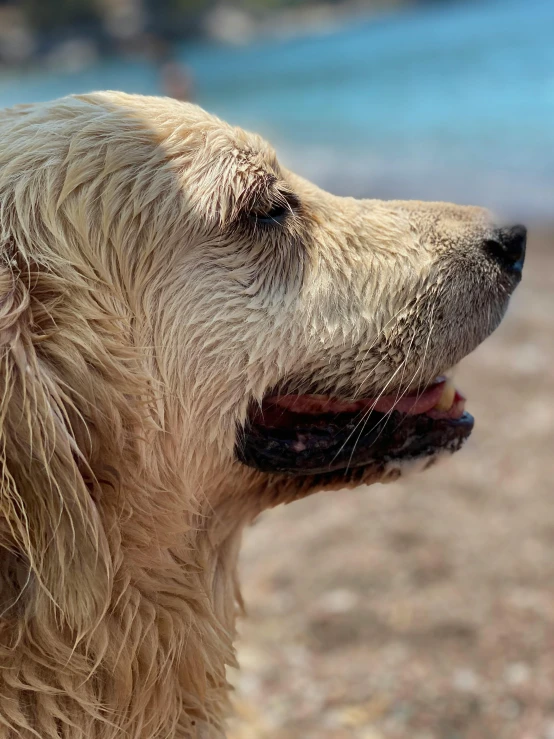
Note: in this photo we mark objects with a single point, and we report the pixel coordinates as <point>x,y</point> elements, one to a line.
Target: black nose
<point>508,247</point>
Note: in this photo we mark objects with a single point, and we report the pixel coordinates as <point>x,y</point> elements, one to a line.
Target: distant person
<point>176,80</point>
<point>175,77</point>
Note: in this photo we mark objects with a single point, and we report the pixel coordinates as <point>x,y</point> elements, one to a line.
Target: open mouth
<point>319,434</point>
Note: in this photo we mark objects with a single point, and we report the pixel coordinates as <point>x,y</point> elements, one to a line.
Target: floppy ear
<point>52,540</point>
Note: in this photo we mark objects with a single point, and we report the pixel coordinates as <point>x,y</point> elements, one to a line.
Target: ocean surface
<point>445,101</point>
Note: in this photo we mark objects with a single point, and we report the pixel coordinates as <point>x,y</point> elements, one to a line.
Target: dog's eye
<point>276,211</point>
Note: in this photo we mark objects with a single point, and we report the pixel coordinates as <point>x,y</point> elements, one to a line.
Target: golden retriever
<point>191,334</point>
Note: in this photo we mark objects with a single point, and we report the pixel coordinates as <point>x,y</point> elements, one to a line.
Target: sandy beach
<point>423,610</point>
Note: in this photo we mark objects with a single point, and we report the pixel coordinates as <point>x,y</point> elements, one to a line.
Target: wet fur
<point>141,311</point>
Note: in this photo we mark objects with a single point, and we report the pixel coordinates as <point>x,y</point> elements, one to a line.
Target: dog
<point>192,334</point>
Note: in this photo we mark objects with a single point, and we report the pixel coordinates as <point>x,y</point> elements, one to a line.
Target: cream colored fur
<point>141,311</point>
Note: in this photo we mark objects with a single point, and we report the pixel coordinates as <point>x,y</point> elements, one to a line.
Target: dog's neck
<point>188,598</point>
<point>146,652</point>
<point>180,604</point>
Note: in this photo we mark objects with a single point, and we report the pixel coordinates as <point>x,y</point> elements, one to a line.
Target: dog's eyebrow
<point>242,180</point>
<point>256,188</point>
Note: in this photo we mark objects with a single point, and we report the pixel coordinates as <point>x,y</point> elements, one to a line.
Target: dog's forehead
<point>216,163</point>
<point>214,149</point>
<point>184,129</point>
<point>247,152</point>
<point>210,136</point>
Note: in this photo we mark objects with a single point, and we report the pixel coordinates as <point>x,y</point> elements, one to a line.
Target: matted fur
<point>141,311</point>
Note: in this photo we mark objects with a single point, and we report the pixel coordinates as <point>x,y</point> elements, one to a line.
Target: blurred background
<point>423,610</point>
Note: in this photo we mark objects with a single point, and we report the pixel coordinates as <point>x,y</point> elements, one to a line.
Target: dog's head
<point>292,339</point>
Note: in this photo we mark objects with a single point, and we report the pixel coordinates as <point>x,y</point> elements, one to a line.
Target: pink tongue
<point>412,405</point>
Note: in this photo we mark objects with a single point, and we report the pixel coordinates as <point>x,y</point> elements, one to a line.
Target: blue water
<point>445,101</point>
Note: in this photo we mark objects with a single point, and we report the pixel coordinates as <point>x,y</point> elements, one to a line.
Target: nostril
<point>514,241</point>
<point>508,248</point>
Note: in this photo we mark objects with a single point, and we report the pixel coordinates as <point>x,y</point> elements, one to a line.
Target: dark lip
<point>331,444</point>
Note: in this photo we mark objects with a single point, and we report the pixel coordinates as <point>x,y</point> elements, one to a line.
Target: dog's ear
<point>51,538</point>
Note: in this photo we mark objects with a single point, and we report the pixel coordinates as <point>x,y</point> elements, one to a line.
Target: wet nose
<point>507,247</point>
